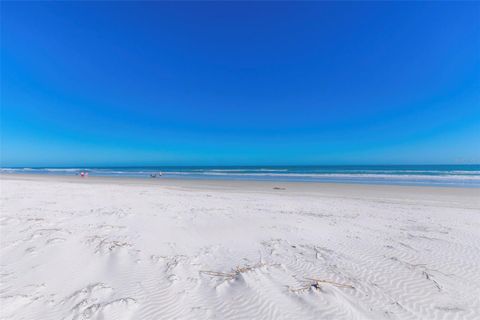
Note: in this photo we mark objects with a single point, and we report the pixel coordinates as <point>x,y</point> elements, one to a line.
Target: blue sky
<point>102,83</point>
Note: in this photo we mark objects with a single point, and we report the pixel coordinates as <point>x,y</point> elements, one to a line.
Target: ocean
<point>431,175</point>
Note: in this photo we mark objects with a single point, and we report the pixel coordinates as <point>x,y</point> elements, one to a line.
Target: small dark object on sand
<point>278,188</point>
<point>155,175</point>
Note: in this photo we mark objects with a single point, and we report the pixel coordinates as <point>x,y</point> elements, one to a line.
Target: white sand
<point>103,248</point>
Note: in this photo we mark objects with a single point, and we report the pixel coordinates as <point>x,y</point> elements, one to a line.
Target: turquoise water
<point>433,175</point>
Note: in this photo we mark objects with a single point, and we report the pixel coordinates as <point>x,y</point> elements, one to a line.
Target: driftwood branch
<point>317,284</point>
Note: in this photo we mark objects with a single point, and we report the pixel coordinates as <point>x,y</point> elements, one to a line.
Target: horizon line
<point>238,165</point>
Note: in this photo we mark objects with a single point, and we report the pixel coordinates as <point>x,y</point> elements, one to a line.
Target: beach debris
<point>426,272</point>
<point>227,275</point>
<point>105,245</point>
<point>429,277</point>
<point>235,272</point>
<point>313,283</point>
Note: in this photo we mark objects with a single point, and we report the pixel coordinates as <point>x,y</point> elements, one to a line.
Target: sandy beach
<point>111,248</point>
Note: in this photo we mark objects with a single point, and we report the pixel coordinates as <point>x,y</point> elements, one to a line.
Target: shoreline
<point>455,176</point>
<point>254,185</point>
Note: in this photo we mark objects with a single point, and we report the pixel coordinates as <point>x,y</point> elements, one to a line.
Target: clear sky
<point>104,83</point>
